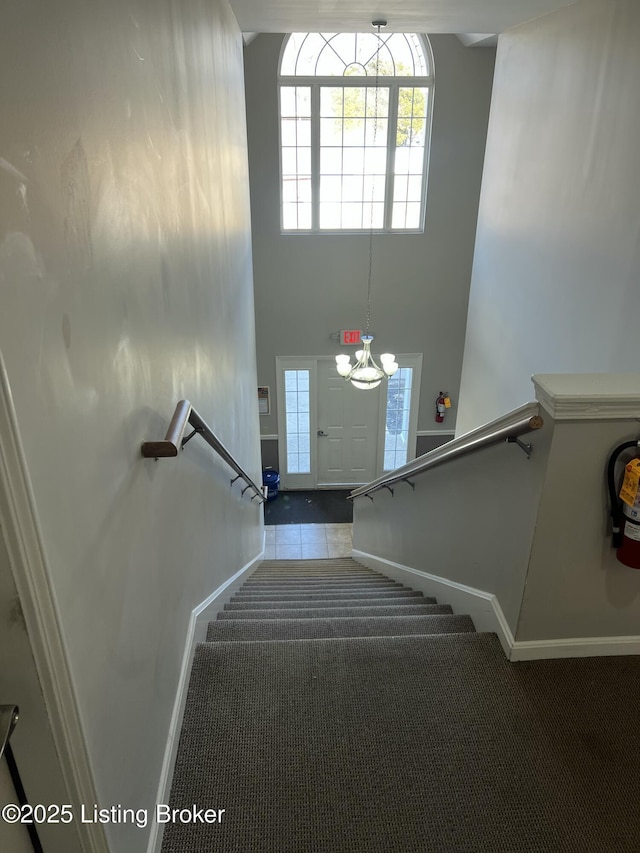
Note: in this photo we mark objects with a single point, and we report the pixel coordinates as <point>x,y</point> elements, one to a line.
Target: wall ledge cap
<point>589,396</point>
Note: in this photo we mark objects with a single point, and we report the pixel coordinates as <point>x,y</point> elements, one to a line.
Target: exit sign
<point>350,337</point>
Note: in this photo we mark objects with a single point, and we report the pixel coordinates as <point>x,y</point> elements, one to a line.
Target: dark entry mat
<point>310,507</point>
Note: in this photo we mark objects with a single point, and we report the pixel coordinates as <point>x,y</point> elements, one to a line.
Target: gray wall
<point>557,259</point>
<point>470,520</point>
<point>125,285</point>
<point>307,287</point>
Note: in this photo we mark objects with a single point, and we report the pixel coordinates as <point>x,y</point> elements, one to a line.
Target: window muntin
<point>350,159</point>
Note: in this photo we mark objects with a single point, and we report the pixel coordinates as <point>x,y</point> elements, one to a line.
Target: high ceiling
<point>426,16</point>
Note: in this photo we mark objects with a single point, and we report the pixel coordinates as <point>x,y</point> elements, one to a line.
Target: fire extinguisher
<point>443,402</point>
<point>625,508</point>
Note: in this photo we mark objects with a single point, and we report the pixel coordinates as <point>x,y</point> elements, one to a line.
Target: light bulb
<point>344,369</point>
<point>387,356</point>
<point>342,358</point>
<point>390,367</point>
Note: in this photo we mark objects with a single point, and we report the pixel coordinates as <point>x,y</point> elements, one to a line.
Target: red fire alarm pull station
<point>350,337</point>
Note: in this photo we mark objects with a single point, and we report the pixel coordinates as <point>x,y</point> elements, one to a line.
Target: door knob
<point>321,433</point>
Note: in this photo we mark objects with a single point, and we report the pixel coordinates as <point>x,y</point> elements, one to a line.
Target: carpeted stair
<point>332,710</point>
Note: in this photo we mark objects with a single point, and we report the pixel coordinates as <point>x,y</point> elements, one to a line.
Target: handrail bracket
<point>527,448</point>
<point>196,431</point>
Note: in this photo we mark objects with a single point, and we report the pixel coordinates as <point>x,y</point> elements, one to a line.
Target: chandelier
<point>365,373</point>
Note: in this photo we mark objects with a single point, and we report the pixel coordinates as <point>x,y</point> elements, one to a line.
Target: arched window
<point>354,156</point>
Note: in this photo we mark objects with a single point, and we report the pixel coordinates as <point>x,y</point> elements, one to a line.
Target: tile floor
<point>307,541</point>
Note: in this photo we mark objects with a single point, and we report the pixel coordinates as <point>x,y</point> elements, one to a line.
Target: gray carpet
<point>393,743</point>
<point>317,629</point>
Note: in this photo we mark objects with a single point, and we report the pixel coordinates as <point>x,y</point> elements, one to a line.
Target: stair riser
<point>294,629</point>
<point>325,596</point>
<point>331,612</point>
<point>338,602</point>
<point>318,574</point>
<point>319,581</point>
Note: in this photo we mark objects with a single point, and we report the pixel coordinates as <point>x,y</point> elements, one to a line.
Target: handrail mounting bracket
<point>527,448</point>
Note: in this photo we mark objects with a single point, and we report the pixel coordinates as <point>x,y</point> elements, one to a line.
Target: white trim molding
<point>269,437</point>
<point>487,615</point>
<point>483,607</point>
<point>575,647</point>
<point>589,396</point>
<point>24,541</point>
<point>196,632</point>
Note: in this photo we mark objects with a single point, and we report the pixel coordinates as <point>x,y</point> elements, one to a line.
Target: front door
<point>347,429</point>
<point>332,434</point>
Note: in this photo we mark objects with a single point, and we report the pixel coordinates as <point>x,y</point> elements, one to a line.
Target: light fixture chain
<point>375,131</point>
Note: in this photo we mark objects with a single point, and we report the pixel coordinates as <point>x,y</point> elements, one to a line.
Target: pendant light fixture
<point>365,373</point>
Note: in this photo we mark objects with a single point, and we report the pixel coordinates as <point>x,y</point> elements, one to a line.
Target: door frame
<point>310,363</point>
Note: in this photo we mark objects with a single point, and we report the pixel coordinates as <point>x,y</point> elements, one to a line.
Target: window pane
<point>330,161</point>
<point>330,188</point>
<point>296,383</point>
<point>304,216</point>
<point>352,215</point>
<point>352,188</point>
<point>289,161</point>
<point>353,130</point>
<point>413,215</point>
<point>396,441</point>
<point>399,216</point>
<point>289,215</point>
<point>335,53</point>
<point>353,161</point>
<point>330,215</point>
<point>330,132</point>
<point>372,216</point>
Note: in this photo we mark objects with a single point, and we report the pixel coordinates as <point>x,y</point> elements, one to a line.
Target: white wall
<point>575,585</point>
<point>310,286</point>
<point>125,285</point>
<point>557,258</point>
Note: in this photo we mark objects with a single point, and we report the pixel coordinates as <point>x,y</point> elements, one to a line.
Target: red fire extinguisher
<point>625,508</point>
<point>443,402</point>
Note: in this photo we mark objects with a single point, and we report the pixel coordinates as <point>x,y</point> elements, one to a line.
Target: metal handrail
<point>9,715</point>
<point>528,420</point>
<point>174,442</point>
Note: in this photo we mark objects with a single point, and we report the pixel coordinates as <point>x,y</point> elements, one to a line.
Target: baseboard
<point>483,607</point>
<point>486,613</point>
<point>575,647</point>
<point>196,631</point>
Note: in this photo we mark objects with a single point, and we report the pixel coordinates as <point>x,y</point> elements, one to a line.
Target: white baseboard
<point>196,631</point>
<point>486,613</point>
<point>575,647</point>
<point>483,607</point>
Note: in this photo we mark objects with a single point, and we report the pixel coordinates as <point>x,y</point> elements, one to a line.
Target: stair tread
<point>431,743</point>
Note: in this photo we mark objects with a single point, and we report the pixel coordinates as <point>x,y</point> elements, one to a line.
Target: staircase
<point>333,710</point>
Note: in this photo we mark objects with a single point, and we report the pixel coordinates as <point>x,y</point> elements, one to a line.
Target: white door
<point>347,429</point>
<point>332,434</point>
